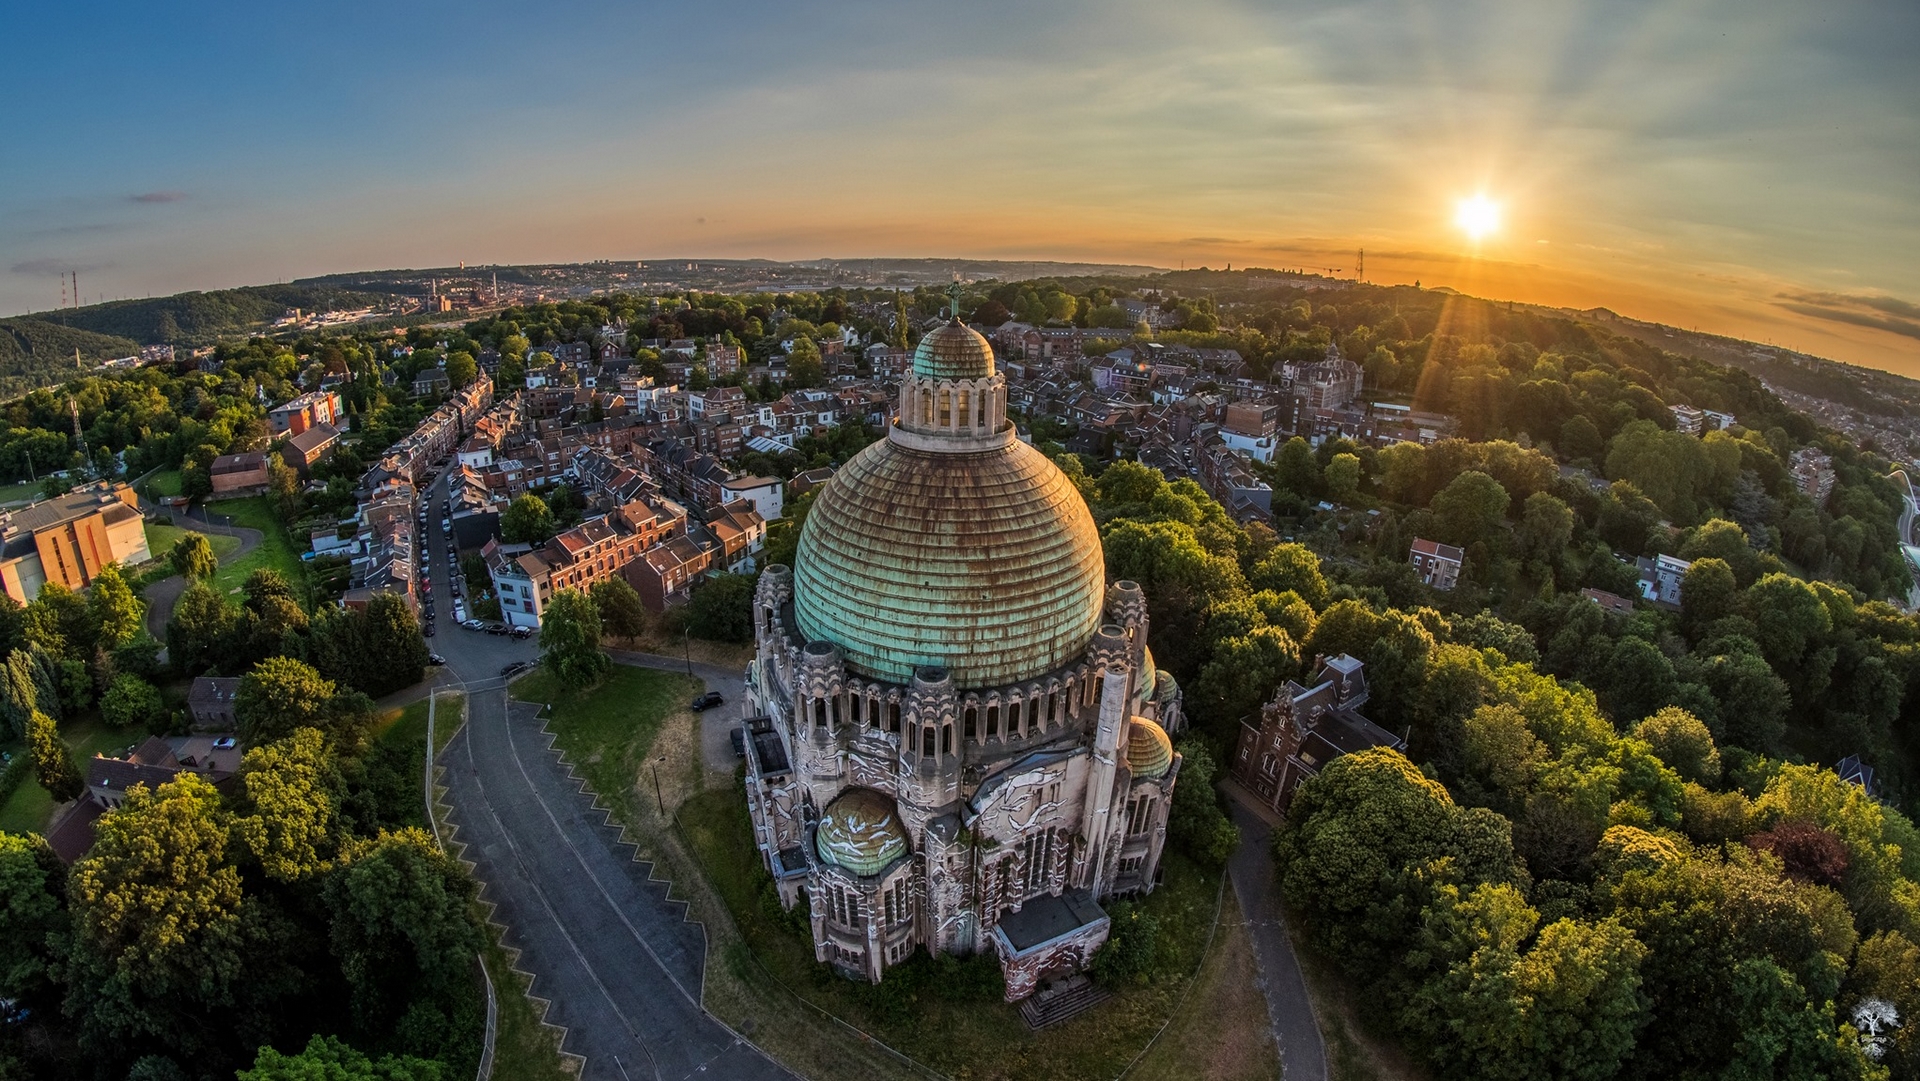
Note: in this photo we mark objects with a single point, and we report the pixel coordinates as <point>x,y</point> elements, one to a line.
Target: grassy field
<point>162,538</point>
<point>960,1038</point>
<point>19,493</point>
<point>1221,1031</point>
<point>608,731</point>
<point>164,483</point>
<point>30,809</point>
<point>276,549</point>
<point>1358,1047</point>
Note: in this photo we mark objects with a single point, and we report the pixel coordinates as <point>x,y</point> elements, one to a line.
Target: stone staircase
<point>1060,1001</point>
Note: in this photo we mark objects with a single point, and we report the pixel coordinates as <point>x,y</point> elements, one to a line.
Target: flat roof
<point>1045,918</point>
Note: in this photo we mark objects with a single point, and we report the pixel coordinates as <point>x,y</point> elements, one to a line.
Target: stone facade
<point>1005,796</point>
<point>995,795</point>
<point>1305,728</point>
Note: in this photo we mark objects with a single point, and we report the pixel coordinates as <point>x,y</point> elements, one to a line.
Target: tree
<point>327,1059</point>
<point>59,622</point>
<point>804,367</point>
<point>33,908</point>
<point>1683,742</point>
<point>721,609</point>
<point>621,613</point>
<point>113,608</point>
<point>1471,508</point>
<point>402,926</point>
<point>461,369</point>
<point>1195,821</point>
<point>1296,469</point>
<point>289,821</point>
<point>201,631</point>
<point>1546,527</point>
<point>1361,837</point>
<point>1708,593</point>
<point>283,483</point>
<point>192,558</point>
<point>1342,476</point>
<point>1292,567</point>
<point>157,918</point>
<point>570,639</point>
<point>393,652</point>
<point>131,701</point>
<point>279,695</point>
<point>527,520</point>
<point>31,682</point>
<point>1569,1007</point>
<point>53,759</point>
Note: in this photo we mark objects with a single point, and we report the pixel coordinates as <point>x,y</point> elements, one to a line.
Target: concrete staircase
<point>1060,1001</point>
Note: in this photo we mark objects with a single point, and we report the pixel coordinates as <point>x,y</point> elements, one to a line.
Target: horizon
<point>1739,169</point>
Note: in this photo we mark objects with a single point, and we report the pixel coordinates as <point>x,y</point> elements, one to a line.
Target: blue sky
<point>1748,166</point>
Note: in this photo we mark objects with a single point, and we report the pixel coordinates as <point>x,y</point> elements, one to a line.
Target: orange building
<point>69,538</point>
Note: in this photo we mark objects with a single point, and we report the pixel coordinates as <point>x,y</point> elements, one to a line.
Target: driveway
<point>1303,1057</point>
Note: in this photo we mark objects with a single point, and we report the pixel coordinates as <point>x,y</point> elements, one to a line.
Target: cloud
<point>158,197</point>
<point>41,267</point>
<point>1877,312</point>
<point>1211,240</point>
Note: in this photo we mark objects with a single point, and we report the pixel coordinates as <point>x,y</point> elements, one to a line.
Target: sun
<point>1477,217</point>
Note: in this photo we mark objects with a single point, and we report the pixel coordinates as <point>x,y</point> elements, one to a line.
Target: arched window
<point>1013,720</point>
<point>969,720</point>
<point>855,706</point>
<point>873,712</point>
<point>893,717</point>
<point>993,722</point>
<point>819,713</point>
<point>946,739</point>
<point>1053,708</point>
<point>926,740</point>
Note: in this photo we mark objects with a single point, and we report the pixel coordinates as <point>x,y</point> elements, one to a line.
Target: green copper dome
<point>860,832</point>
<point>953,351</point>
<point>1149,751</point>
<point>987,563</point>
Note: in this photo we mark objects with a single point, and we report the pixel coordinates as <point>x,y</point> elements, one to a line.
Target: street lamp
<point>686,647</point>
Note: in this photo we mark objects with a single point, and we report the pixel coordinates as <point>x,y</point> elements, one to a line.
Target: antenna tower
<point>73,408</point>
<point>1360,269</point>
<point>76,289</point>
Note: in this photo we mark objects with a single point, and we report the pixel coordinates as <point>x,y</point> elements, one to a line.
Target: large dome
<point>986,563</point>
<point>953,351</point>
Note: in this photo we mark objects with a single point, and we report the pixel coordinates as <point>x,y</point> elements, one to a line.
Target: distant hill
<point>35,353</point>
<point>201,318</point>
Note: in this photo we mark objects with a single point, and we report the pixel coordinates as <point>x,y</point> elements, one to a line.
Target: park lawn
<point>276,549</point>
<point>969,1038</point>
<point>606,731</point>
<point>165,483</point>
<point>30,809</point>
<point>162,538</point>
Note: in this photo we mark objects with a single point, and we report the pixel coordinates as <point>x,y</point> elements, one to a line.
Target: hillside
<point>35,353</point>
<point>200,318</point>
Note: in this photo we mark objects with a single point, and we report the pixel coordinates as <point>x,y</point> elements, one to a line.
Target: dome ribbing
<point>986,563</point>
<point>953,351</point>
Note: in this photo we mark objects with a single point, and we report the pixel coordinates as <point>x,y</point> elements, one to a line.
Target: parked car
<point>706,702</point>
<point>738,734</point>
<point>516,667</point>
<point>436,660</point>
<point>523,632</point>
<point>472,624</point>
<point>427,631</point>
<point>224,743</point>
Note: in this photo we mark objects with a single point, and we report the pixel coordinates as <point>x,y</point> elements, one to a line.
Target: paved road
<point>1303,1057</point>
<point>617,959</point>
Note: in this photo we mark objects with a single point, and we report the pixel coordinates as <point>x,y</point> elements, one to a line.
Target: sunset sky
<point>1750,167</point>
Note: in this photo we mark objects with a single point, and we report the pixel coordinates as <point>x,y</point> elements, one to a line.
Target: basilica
<point>956,739</point>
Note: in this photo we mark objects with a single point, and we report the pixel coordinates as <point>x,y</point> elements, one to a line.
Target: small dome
<point>1168,689</point>
<point>953,351</point>
<point>1149,751</point>
<point>859,832</point>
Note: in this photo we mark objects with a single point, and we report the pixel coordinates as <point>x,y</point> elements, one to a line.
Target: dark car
<point>739,737</point>
<point>436,660</point>
<point>516,668</point>
<point>706,702</point>
<point>428,629</point>
<point>522,632</point>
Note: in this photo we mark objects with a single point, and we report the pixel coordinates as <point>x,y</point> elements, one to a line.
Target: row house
<point>525,580</point>
<point>386,542</point>
<point>739,535</point>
